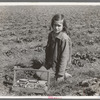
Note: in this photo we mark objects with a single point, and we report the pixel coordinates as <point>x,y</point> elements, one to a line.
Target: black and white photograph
<point>50,49</point>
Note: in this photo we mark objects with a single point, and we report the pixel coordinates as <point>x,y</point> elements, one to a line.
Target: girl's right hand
<point>48,65</point>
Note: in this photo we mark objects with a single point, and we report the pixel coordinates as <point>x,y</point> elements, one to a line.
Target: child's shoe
<point>67,75</point>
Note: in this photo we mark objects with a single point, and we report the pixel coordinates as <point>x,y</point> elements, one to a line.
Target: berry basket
<point>30,85</point>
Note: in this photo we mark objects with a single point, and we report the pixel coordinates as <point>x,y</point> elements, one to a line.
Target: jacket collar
<point>59,36</point>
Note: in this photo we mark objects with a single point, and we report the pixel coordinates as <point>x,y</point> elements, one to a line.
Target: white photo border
<point>46,4</point>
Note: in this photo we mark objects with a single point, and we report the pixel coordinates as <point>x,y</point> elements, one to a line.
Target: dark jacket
<point>58,52</point>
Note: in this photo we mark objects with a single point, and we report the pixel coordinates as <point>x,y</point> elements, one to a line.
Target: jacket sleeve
<point>47,52</point>
<point>65,56</point>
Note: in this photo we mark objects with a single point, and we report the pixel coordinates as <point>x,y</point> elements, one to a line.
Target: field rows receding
<point>23,37</point>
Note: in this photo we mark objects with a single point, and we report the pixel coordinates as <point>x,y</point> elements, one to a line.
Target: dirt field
<point>23,37</point>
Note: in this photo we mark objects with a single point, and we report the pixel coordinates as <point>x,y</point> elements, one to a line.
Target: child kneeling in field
<point>58,49</point>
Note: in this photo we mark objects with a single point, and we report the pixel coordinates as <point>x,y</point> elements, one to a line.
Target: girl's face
<point>58,26</point>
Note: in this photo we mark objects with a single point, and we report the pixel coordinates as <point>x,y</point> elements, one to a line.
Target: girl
<point>58,49</point>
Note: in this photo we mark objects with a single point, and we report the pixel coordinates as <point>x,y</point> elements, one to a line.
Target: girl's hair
<point>58,17</point>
